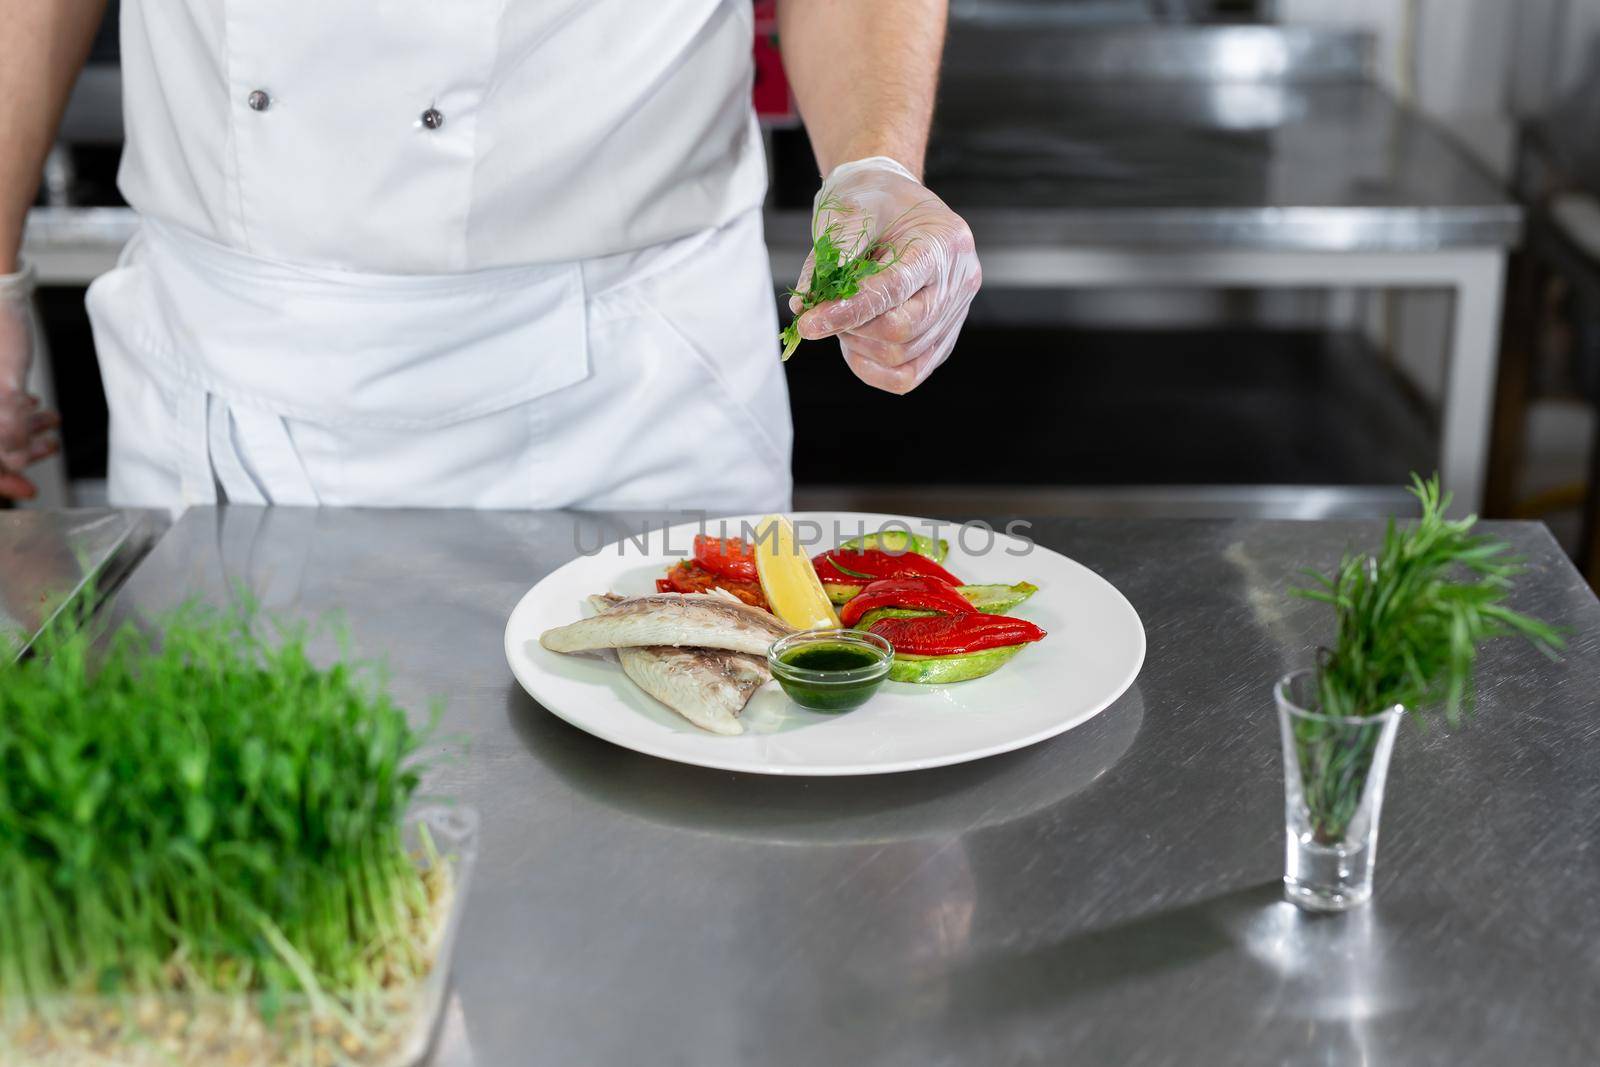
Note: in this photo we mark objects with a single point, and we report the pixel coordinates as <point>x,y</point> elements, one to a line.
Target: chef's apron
<point>470,254</point>
<point>639,380</point>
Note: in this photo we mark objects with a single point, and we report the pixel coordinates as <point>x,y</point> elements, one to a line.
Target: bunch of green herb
<point>835,275</point>
<point>1410,623</point>
<point>202,809</point>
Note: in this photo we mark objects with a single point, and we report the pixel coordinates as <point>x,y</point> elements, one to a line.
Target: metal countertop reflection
<point>1218,165</point>
<point>1219,138</point>
<point>51,559</point>
<point>1108,896</point>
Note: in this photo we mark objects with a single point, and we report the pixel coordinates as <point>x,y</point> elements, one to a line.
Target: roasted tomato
<point>690,577</point>
<point>731,557</point>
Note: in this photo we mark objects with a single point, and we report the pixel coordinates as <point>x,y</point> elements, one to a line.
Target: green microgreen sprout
<point>1410,623</point>
<point>834,274</point>
<point>198,808</point>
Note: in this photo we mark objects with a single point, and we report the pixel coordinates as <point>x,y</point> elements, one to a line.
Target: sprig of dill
<point>199,808</point>
<point>834,275</point>
<point>1410,623</point>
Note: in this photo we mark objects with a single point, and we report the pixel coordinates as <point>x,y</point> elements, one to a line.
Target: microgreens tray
<point>389,1027</point>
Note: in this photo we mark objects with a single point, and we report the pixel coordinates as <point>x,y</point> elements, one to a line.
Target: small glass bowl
<point>831,691</point>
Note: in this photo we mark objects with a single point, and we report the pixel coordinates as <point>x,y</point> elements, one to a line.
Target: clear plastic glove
<point>903,321</point>
<point>25,431</point>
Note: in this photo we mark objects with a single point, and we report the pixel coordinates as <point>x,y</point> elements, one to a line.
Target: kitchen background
<point>1242,257</point>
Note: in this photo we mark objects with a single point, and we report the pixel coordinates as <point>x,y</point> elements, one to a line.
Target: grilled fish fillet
<point>709,687</point>
<point>695,620</point>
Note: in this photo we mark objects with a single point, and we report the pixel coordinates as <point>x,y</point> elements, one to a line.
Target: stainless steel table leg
<point>1468,402</point>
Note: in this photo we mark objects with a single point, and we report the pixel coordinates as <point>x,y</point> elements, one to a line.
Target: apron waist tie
<point>254,458</point>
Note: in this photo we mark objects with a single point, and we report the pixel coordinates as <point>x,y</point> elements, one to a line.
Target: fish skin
<point>695,620</point>
<point>709,687</point>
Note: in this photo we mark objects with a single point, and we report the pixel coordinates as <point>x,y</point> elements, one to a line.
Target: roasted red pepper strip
<point>851,567</point>
<point>731,557</point>
<point>831,575</point>
<point>931,594</point>
<point>952,635</point>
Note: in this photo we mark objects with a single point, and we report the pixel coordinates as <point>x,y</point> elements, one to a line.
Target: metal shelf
<point>1193,422</point>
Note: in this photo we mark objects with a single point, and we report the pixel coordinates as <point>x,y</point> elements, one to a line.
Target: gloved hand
<point>903,321</point>
<point>25,431</point>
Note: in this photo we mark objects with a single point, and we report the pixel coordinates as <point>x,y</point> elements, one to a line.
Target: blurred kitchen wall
<point>1479,68</point>
<point>1476,66</point>
<point>1482,69</point>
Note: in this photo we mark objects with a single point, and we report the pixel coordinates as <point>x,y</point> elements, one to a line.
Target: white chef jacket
<point>557,130</point>
<point>463,253</point>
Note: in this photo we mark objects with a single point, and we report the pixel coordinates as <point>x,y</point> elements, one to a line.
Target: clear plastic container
<point>180,1030</point>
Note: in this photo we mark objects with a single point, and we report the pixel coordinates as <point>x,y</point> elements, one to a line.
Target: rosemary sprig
<point>1410,621</point>
<point>834,275</point>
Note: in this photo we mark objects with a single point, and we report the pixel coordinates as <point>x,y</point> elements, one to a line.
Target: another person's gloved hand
<point>25,430</point>
<point>903,321</point>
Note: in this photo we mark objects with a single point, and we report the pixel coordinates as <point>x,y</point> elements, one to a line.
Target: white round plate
<point>1092,654</point>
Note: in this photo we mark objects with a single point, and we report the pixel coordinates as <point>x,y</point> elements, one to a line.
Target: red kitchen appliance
<point>774,105</point>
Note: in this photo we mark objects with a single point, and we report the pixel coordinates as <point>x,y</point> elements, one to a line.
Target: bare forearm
<point>864,74</point>
<point>43,44</point>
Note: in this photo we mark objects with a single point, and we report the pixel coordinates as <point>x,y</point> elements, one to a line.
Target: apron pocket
<point>733,402</point>
<point>395,352</point>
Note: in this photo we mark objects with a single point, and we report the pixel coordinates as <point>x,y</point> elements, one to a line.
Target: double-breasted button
<point>258,100</point>
<point>433,118</point>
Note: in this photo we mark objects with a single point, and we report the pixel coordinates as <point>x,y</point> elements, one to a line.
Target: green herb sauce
<point>830,697</point>
<point>830,658</point>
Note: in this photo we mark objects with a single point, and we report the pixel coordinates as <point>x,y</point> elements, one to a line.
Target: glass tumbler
<point>1334,769</point>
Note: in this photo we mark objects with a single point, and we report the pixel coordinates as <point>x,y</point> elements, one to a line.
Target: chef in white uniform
<point>483,253</point>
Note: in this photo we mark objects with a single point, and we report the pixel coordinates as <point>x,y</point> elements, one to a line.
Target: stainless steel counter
<point>1219,138</point>
<point>50,560</point>
<point>1214,165</point>
<point>1110,896</point>
<point>75,245</point>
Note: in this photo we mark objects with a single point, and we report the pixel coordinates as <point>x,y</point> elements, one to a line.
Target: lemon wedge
<point>793,591</point>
